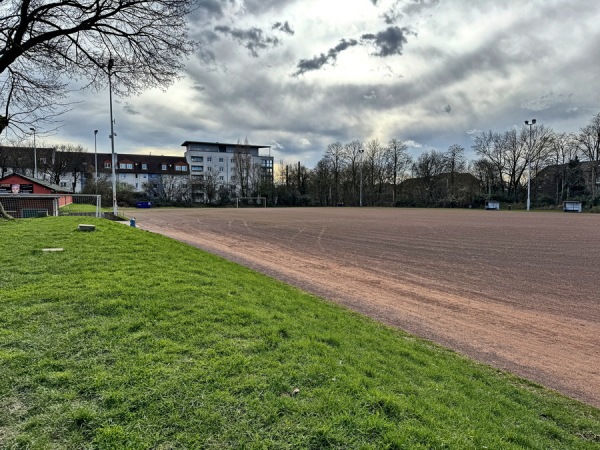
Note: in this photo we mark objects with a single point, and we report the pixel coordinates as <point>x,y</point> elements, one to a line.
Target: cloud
<point>448,108</point>
<point>546,101</point>
<point>416,6</point>
<point>371,95</point>
<point>303,142</point>
<point>129,109</point>
<point>389,41</point>
<point>285,27</point>
<point>413,144</point>
<point>315,63</point>
<point>252,38</point>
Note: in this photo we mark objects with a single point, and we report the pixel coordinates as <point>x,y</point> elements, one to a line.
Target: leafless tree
<point>488,145</point>
<point>169,188</point>
<point>322,181</point>
<point>427,167</point>
<point>334,154</point>
<point>398,161</point>
<point>352,156</point>
<point>589,145</point>
<point>374,171</point>
<point>455,162</point>
<point>242,168</point>
<point>64,160</point>
<point>211,186</point>
<point>42,42</point>
<point>508,153</point>
<point>483,169</point>
<point>564,149</point>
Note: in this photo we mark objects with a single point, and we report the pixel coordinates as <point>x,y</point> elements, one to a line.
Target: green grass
<point>128,339</point>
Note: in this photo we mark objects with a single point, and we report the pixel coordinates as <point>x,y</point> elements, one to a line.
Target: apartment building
<point>204,167</point>
<point>239,168</point>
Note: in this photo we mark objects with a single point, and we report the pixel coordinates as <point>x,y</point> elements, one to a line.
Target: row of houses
<point>202,170</point>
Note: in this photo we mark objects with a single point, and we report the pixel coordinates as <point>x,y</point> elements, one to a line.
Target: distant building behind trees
<point>561,166</point>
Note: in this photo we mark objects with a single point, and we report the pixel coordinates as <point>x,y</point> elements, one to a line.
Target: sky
<point>299,75</point>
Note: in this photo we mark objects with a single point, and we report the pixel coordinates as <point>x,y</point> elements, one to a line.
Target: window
<point>126,166</point>
<point>179,168</point>
<point>209,169</point>
<point>197,168</point>
<point>232,160</point>
<point>197,159</point>
<point>220,159</point>
<point>144,167</point>
<point>136,185</point>
<point>123,176</point>
<point>163,166</point>
<point>145,176</point>
<point>107,165</point>
<point>209,158</point>
<point>136,175</point>
<point>221,178</point>
<point>221,169</point>
<point>63,184</point>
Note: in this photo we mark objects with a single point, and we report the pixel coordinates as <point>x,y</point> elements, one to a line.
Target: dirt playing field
<point>517,290</point>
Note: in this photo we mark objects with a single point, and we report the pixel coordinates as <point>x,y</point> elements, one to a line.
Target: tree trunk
<point>4,214</point>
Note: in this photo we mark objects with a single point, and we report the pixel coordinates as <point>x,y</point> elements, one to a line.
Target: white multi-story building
<point>206,171</point>
<point>239,168</point>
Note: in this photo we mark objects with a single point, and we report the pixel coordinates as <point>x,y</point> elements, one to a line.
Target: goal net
<point>251,202</point>
<point>24,206</point>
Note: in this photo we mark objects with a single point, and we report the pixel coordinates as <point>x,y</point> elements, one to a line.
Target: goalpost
<point>24,206</point>
<point>251,201</point>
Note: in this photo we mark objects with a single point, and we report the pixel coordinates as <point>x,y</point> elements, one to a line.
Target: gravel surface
<point>516,290</point>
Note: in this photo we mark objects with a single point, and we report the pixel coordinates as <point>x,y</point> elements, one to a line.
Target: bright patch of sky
<point>301,74</point>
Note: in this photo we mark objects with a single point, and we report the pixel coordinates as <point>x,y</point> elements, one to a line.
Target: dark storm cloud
<point>307,65</point>
<point>388,42</point>
<point>392,15</point>
<point>253,38</point>
<point>285,27</point>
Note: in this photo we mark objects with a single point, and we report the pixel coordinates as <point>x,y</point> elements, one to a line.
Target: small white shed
<point>492,205</point>
<point>571,206</point>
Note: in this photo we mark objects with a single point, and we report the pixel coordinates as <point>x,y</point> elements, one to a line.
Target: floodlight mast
<point>360,199</point>
<point>111,63</point>
<point>96,160</point>
<point>530,124</point>
<point>34,154</point>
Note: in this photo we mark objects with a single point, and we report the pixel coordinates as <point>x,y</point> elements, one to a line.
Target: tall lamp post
<point>360,200</point>
<point>111,63</point>
<point>530,124</point>
<point>96,159</point>
<point>34,155</point>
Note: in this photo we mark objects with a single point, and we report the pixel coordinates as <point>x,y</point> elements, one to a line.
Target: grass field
<point>128,339</point>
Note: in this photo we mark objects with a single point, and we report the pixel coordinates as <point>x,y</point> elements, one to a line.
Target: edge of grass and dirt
<point>128,339</point>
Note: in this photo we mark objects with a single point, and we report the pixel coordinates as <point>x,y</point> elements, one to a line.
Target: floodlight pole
<point>360,200</point>
<point>530,124</point>
<point>96,160</point>
<point>34,155</point>
<point>111,62</point>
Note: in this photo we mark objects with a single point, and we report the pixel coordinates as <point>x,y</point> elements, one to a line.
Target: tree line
<point>373,174</point>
